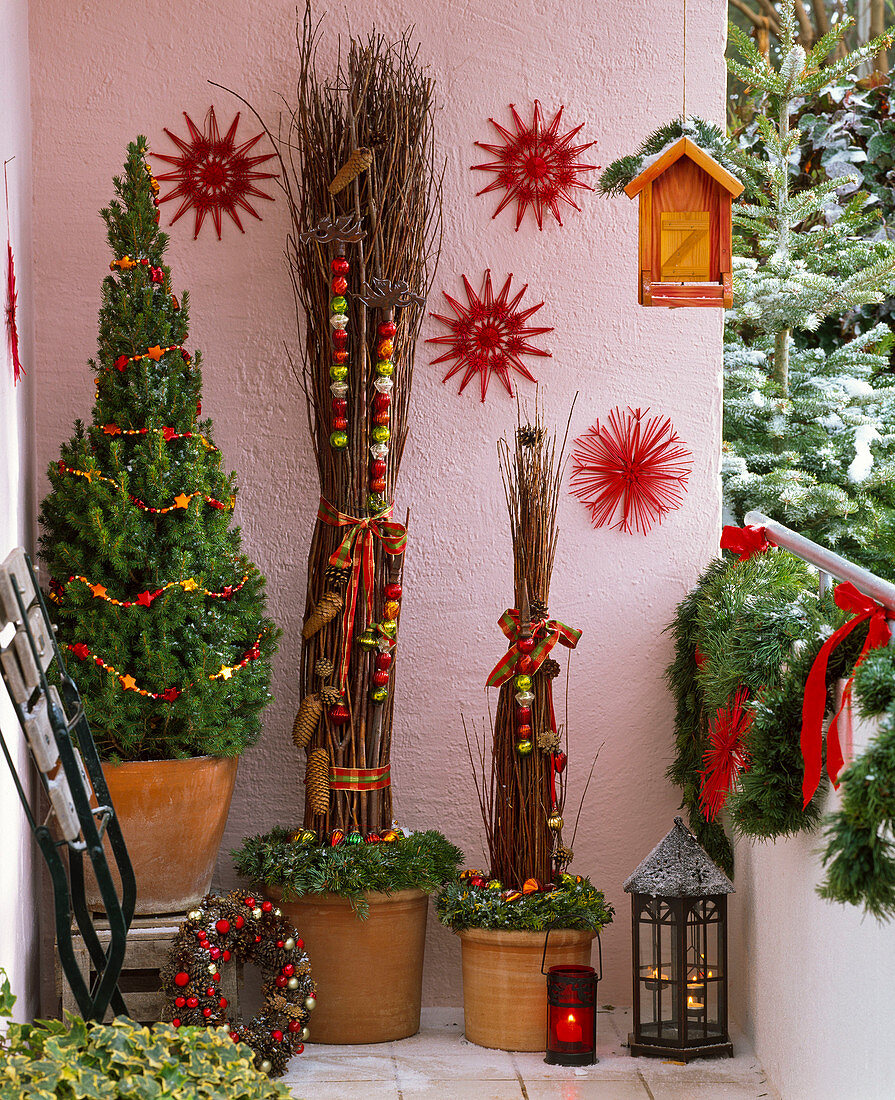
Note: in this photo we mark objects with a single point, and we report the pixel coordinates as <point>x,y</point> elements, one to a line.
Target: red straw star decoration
<point>631,471</point>
<point>213,174</point>
<point>536,166</point>
<point>488,335</point>
<point>12,329</point>
<point>726,758</point>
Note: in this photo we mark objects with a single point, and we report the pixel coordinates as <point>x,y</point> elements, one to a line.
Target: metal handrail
<point>828,563</point>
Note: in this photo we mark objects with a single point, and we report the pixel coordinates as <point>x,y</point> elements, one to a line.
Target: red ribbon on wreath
<point>745,541</point>
<point>546,632</point>
<point>878,634</point>
<point>355,551</point>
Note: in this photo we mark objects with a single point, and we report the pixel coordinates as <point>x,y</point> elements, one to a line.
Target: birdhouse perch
<point>685,228</point>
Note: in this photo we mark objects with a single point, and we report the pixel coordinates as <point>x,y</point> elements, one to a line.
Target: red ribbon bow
<point>746,541</point>
<point>355,551</point>
<point>878,634</point>
<point>546,632</point>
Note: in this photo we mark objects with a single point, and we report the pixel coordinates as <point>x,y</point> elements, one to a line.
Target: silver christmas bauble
<point>289,945</point>
<point>310,1003</point>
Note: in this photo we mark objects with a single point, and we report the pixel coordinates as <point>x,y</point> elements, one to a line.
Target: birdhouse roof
<point>684,147</point>
<point>678,867</point>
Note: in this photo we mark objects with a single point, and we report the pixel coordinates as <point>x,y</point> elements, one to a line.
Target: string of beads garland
<point>241,928</point>
<point>168,434</point>
<point>182,500</point>
<point>154,353</point>
<point>381,433</point>
<point>144,599</point>
<point>338,370</point>
<point>82,652</point>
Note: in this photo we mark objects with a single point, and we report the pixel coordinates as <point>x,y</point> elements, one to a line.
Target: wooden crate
<point>148,944</point>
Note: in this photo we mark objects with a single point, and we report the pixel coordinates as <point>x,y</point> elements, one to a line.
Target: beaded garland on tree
<point>241,928</point>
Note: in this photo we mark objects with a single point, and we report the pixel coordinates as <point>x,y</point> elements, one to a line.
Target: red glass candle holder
<point>571,1016</point>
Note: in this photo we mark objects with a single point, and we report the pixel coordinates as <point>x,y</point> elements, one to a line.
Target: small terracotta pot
<point>172,815</point>
<point>369,973</point>
<point>504,991</point>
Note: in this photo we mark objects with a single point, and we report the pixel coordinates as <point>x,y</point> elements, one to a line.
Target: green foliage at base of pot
<point>573,903</point>
<point>72,1059</point>
<point>422,861</point>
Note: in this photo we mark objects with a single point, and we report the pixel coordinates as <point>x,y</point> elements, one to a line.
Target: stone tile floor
<point>440,1063</point>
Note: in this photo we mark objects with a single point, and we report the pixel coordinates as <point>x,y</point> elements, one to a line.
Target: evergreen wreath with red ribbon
<point>242,928</point>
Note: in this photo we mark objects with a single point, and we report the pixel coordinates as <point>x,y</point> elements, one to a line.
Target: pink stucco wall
<point>101,73</point>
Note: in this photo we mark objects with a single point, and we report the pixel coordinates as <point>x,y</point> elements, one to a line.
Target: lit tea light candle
<point>568,1030</point>
<point>694,1007</point>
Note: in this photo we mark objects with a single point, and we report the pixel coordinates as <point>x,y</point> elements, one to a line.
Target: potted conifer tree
<point>160,611</point>
<point>527,902</point>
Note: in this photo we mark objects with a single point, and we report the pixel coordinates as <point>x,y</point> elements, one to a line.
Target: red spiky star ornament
<point>536,166</point>
<point>631,471</point>
<point>213,174</point>
<point>488,335</point>
<point>726,757</point>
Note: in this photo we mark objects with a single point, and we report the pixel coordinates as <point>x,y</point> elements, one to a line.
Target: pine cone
<point>548,740</point>
<point>550,668</point>
<point>330,695</point>
<point>325,611</point>
<point>309,711</point>
<point>563,856</point>
<point>317,781</point>
<point>529,435</point>
<point>324,667</point>
<point>538,609</point>
<point>336,577</point>
<point>359,161</point>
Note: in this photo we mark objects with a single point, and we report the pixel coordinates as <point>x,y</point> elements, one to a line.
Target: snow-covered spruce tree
<point>808,434</point>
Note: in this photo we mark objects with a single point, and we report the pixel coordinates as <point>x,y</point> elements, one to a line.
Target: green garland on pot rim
<point>574,902</point>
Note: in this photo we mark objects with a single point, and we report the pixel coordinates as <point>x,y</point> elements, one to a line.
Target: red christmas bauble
<point>339,714</point>
<point>226,956</point>
<point>215,977</point>
<point>282,981</point>
<point>211,991</point>
<point>523,733</point>
<point>372,838</point>
<point>384,659</point>
<point>121,362</point>
<point>526,645</point>
<point>340,406</point>
<point>393,591</point>
<point>524,664</point>
<point>387,328</point>
<point>340,337</point>
<point>240,921</point>
<point>300,1049</point>
<point>340,355</point>
<point>378,467</point>
<point>206,1012</point>
<point>266,906</point>
<point>559,762</point>
<point>277,1036</point>
<point>340,423</point>
<point>380,677</point>
<point>377,485</point>
<point>300,944</point>
<point>294,1026</point>
<point>339,266</point>
<point>192,1002</point>
<point>523,714</point>
<point>201,935</point>
<point>288,970</point>
<point>339,284</point>
<point>250,902</point>
<point>281,943</point>
<point>381,402</point>
<point>381,417</point>
<point>223,1002</point>
<point>476,880</point>
<point>215,953</point>
<point>179,1002</point>
<point>234,1035</point>
<point>222,927</point>
<point>182,978</point>
<point>175,1022</point>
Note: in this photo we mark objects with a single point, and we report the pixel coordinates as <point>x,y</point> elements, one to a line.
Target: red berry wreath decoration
<point>241,928</point>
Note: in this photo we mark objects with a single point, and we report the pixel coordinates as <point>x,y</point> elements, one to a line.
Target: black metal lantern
<point>679,922</point>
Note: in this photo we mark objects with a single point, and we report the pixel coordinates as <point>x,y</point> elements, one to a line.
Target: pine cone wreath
<point>330,696</point>
<point>548,740</point>
<point>309,711</point>
<point>326,610</point>
<point>317,781</point>
<point>324,667</point>
<point>336,577</point>
<point>359,161</point>
<point>550,668</point>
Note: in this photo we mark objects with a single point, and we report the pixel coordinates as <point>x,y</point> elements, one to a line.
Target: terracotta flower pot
<point>504,991</point>
<point>172,815</point>
<point>369,973</point>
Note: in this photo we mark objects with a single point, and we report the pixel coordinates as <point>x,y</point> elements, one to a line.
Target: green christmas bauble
<point>338,305</point>
<point>523,682</point>
<point>367,640</point>
<point>379,695</point>
<point>385,368</point>
<point>380,434</point>
<point>354,837</point>
<point>495,884</point>
<point>338,372</point>
<point>338,441</point>
<point>524,748</point>
<point>389,627</point>
<point>375,503</point>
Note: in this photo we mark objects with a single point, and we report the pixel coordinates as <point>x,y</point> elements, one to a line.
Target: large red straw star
<point>12,329</point>
<point>213,174</point>
<point>488,335</point>
<point>631,471</point>
<point>536,166</point>
<point>726,758</point>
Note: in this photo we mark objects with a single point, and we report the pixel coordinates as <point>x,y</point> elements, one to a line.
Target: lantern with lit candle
<point>679,921</point>
<point>572,1014</point>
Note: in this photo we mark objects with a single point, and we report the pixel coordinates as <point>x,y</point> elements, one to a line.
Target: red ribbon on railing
<point>878,634</point>
<point>746,541</point>
<point>546,632</point>
<point>355,551</point>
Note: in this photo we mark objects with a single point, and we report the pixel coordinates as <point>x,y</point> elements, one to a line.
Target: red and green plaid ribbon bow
<point>360,779</point>
<point>355,551</point>
<point>546,632</point>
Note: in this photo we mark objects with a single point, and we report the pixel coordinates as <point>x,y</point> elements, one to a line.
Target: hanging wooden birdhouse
<point>685,228</point>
